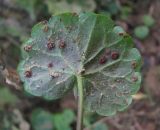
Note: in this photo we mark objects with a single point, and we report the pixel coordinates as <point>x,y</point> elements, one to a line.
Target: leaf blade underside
<point>88,45</point>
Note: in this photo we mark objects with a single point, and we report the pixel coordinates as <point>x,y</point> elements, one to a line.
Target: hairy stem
<point>80,104</point>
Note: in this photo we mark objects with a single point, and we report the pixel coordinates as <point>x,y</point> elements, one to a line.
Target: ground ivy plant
<point>85,52</point>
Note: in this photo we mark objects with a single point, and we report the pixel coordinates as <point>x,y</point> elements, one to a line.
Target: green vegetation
<point>73,51</point>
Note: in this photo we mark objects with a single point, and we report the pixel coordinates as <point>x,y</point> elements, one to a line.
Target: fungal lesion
<point>115,55</point>
<point>134,78</point>
<point>28,73</point>
<point>50,44</point>
<point>46,28</point>
<point>134,64</point>
<point>27,48</point>
<point>62,44</point>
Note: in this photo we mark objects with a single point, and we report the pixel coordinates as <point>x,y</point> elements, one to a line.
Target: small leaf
<point>93,48</point>
<point>62,121</point>
<point>6,97</point>
<point>57,7</point>
<point>148,20</point>
<point>141,32</point>
<point>100,126</point>
<point>33,7</point>
<point>41,120</point>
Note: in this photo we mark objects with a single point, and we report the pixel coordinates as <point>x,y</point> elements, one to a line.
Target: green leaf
<point>41,120</point>
<point>141,32</point>
<point>12,28</point>
<point>31,6</point>
<point>148,20</point>
<point>125,12</point>
<point>89,45</point>
<point>62,121</point>
<point>6,97</point>
<point>56,7</point>
<point>100,126</point>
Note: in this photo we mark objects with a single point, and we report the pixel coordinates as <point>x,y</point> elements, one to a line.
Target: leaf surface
<point>89,45</point>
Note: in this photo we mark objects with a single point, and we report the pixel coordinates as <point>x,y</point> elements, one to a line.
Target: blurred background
<point>21,111</point>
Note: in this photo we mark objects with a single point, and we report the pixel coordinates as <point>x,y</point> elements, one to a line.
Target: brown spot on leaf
<point>62,44</point>
<point>50,44</point>
<point>134,64</point>
<point>114,55</point>
<point>134,78</point>
<point>28,73</point>
<point>46,28</point>
<point>28,48</point>
<point>102,60</point>
<point>50,65</point>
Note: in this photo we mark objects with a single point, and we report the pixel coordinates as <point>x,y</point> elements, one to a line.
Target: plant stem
<point>80,104</point>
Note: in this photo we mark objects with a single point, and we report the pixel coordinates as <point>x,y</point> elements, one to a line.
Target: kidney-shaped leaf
<point>89,45</point>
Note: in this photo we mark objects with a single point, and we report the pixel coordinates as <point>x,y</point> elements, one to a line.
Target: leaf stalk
<point>80,103</point>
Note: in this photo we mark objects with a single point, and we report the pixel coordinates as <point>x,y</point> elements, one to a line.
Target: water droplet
<point>114,55</point>
<point>28,73</point>
<point>102,60</point>
<point>28,48</point>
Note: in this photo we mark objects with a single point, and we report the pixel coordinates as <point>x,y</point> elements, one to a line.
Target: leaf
<point>33,7</point>
<point>11,27</point>
<point>100,126</point>
<point>62,121</point>
<point>87,44</point>
<point>41,120</point>
<point>6,97</point>
<point>12,120</point>
<point>141,32</point>
<point>148,20</point>
<point>125,12</point>
<point>56,7</point>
